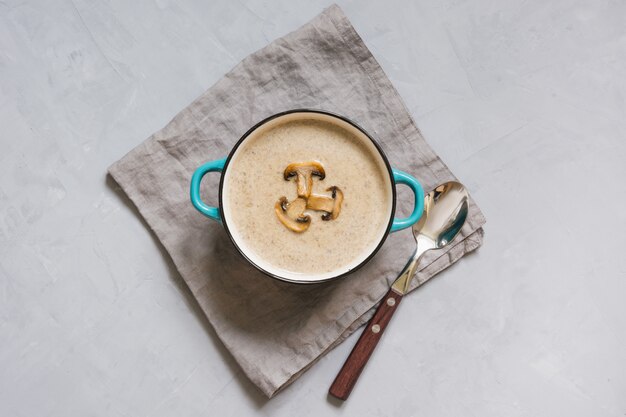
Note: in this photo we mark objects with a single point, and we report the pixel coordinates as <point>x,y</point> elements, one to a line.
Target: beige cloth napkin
<point>276,330</point>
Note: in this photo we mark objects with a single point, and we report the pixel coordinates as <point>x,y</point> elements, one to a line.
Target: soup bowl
<point>306,176</point>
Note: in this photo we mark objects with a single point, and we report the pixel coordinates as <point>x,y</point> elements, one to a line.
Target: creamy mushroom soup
<point>306,194</point>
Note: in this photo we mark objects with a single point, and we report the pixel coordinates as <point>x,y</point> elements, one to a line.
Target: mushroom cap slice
<point>304,173</point>
<point>296,224</point>
<point>314,167</point>
<point>330,205</point>
<point>295,208</point>
<point>320,203</point>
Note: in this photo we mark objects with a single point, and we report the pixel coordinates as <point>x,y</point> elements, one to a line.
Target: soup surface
<point>352,170</point>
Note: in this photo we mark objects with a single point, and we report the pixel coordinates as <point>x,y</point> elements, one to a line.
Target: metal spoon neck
<point>402,283</point>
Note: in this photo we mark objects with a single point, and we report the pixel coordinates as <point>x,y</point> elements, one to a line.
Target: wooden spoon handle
<point>349,374</point>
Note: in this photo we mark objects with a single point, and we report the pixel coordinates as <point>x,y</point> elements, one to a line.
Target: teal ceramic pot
<point>222,166</point>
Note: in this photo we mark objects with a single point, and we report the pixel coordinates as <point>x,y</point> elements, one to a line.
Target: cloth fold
<point>276,330</point>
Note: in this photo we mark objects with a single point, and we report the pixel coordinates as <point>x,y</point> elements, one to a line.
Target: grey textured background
<point>524,101</point>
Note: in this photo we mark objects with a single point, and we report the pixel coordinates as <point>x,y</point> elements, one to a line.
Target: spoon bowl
<point>445,212</point>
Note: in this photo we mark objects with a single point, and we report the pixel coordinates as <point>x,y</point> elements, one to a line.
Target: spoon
<point>445,211</point>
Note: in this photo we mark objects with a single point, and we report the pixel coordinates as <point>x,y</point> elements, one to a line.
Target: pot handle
<point>209,211</point>
<point>403,178</point>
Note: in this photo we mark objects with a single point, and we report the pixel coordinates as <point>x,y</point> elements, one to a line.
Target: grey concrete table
<point>525,101</point>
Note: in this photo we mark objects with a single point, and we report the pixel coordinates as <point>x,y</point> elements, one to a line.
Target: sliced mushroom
<point>330,205</point>
<point>320,203</point>
<point>295,208</point>
<point>304,173</point>
<point>298,223</point>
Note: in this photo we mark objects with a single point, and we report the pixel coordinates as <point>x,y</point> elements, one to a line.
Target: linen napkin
<point>276,330</point>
